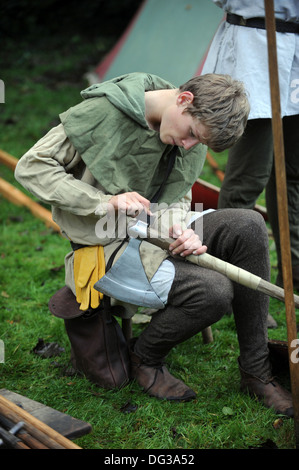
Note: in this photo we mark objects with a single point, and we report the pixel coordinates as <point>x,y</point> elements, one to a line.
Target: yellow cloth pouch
<point>89,267</point>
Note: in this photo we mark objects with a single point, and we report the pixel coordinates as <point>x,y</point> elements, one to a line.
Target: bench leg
<point>207,335</point>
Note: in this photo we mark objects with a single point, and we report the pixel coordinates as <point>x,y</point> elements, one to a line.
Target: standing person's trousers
<point>250,169</point>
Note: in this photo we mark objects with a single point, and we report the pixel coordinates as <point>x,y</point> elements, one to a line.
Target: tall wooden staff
<point>282,208</point>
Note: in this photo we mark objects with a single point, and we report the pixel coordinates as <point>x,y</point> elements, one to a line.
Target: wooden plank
<point>64,424</point>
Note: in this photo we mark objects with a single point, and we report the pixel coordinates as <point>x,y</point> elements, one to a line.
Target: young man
<point>109,157</point>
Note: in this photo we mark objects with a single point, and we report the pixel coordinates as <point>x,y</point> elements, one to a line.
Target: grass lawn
<point>43,78</point>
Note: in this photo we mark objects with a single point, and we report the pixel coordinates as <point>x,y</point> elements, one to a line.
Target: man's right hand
<point>130,203</point>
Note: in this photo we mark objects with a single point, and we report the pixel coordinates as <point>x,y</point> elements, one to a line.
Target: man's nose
<point>189,143</point>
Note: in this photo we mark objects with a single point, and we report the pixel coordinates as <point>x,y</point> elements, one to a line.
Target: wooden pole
<point>11,441</point>
<point>282,207</point>
<point>213,164</point>
<point>18,198</point>
<point>24,436</point>
<point>8,160</point>
<point>39,430</point>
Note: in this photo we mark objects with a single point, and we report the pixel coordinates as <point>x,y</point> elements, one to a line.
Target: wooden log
<point>34,426</point>
<point>16,196</point>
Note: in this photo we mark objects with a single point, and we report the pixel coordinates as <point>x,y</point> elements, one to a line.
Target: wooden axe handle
<point>241,276</point>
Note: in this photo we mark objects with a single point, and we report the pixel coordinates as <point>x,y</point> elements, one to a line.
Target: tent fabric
<point>168,38</point>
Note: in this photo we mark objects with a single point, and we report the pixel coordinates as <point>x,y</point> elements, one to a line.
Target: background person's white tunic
<point>242,52</point>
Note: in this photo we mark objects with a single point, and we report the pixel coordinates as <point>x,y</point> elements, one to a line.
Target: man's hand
<point>186,243</point>
<point>131,203</point>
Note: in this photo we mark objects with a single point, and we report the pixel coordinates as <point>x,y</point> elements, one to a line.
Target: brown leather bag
<point>98,347</point>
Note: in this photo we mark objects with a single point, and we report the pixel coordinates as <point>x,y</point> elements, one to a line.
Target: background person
<point>240,49</point>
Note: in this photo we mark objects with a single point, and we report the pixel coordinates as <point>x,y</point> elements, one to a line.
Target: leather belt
<point>280,26</point>
<point>77,246</point>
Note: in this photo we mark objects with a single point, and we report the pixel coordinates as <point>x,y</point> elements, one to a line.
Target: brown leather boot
<point>158,382</point>
<point>269,392</point>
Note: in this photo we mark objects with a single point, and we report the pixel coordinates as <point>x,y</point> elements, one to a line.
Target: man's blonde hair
<point>221,104</point>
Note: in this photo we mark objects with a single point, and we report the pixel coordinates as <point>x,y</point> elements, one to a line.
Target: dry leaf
<point>277,423</point>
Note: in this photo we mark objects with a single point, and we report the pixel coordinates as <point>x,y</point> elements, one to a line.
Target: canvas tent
<point>169,38</point>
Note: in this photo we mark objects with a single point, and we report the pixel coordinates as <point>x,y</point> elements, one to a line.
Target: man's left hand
<point>186,242</point>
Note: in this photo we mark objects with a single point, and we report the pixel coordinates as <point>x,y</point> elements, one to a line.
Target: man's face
<point>179,128</point>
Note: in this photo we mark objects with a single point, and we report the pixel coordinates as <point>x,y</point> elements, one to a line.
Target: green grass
<point>38,87</point>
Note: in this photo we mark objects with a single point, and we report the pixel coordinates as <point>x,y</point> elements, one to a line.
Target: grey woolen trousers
<point>250,168</point>
<point>200,297</point>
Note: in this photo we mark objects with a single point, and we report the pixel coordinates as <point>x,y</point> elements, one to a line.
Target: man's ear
<point>185,98</point>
